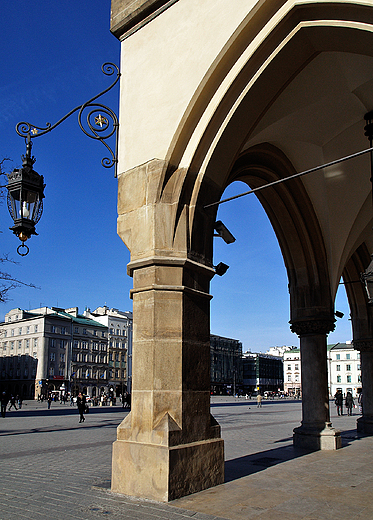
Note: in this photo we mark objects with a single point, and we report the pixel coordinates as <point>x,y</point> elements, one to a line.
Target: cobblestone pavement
<point>53,467</point>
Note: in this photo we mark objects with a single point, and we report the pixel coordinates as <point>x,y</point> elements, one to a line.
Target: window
<point>348,379</point>
<point>111,331</point>
<point>35,354</point>
<point>53,328</point>
<point>28,329</point>
<point>358,367</point>
<point>348,356</point>
<point>35,342</point>
<point>117,344</point>
<point>12,332</point>
<point>103,334</point>
<point>52,356</point>
<point>338,368</point>
<point>85,332</point>
<point>85,344</point>
<point>62,357</point>
<point>339,379</point>
<point>20,331</point>
<point>289,367</point>
<point>5,344</point>
<point>124,332</point>
<point>289,378</point>
<point>52,342</point>
<point>19,345</point>
<point>358,355</point>
<point>35,328</point>
<point>51,371</point>
<point>297,367</point>
<point>110,356</point>
<point>117,374</point>
<point>118,332</point>
<point>76,343</point>
<point>12,345</point>
<point>338,357</point>
<point>76,330</point>
<point>95,346</point>
<point>95,332</point>
<point>103,347</point>
<point>27,343</point>
<point>348,368</point>
<point>63,330</point>
<point>117,356</point>
<point>359,378</point>
<point>297,378</point>
<point>5,333</point>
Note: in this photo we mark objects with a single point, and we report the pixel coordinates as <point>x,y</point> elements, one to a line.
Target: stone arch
<point>295,223</point>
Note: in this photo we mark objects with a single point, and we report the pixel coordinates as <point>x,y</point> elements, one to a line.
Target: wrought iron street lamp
<point>26,187</point>
<point>25,198</point>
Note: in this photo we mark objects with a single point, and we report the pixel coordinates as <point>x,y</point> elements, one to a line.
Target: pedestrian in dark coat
<point>81,404</point>
<point>339,402</point>
<point>349,402</point>
<point>12,403</point>
<point>4,402</point>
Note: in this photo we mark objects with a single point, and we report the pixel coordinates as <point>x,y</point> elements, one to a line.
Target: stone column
<point>169,445</point>
<point>316,430</point>
<point>365,422</point>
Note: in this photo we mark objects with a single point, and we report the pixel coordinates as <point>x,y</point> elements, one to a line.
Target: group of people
<point>349,402</point>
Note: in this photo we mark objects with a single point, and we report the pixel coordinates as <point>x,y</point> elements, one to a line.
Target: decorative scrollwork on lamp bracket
<point>100,121</point>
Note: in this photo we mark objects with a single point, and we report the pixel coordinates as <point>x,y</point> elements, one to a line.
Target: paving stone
<point>53,467</point>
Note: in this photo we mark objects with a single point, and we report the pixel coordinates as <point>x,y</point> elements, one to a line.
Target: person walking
<point>339,402</point>
<point>259,400</point>
<point>4,402</point>
<point>81,404</point>
<point>12,403</point>
<point>349,402</point>
<point>49,401</point>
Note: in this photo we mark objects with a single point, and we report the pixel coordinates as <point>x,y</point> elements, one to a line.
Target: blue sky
<point>51,54</point>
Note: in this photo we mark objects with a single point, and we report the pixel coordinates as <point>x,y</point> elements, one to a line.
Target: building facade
<point>226,365</point>
<point>52,350</point>
<point>262,372</point>
<point>344,364</point>
<point>119,327</point>
<point>292,373</point>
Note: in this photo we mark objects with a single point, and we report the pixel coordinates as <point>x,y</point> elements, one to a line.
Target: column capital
<point>363,345</point>
<point>312,326</point>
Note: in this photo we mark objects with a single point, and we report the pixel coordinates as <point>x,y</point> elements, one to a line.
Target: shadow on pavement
<point>249,464</point>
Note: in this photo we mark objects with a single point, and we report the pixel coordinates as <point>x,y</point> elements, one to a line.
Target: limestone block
<point>164,473</point>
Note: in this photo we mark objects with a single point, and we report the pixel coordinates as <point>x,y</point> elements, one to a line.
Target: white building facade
<point>119,326</point>
<point>292,372</point>
<point>344,367</point>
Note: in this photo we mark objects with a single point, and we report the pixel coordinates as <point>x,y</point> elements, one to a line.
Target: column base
<point>316,438</point>
<point>365,425</point>
<point>164,473</point>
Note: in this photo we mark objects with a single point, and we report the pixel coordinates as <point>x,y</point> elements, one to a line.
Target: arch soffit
<point>296,40</point>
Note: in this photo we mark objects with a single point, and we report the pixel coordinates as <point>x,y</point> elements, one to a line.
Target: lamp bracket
<point>101,122</point>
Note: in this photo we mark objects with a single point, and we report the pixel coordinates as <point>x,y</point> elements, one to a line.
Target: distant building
<point>119,325</point>
<point>52,350</point>
<point>226,365</point>
<point>344,368</point>
<point>279,351</point>
<point>262,372</point>
<point>292,372</point>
